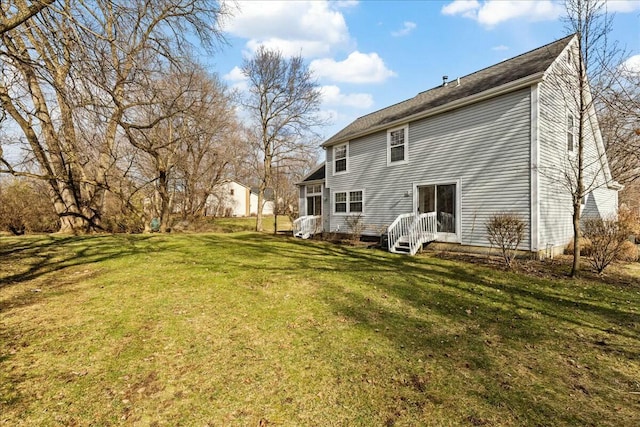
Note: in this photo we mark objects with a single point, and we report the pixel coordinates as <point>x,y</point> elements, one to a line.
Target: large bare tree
<point>66,75</point>
<point>589,21</point>
<point>283,104</point>
<point>183,129</point>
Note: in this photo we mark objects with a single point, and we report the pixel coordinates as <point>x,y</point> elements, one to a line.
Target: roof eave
<point>490,93</point>
<point>315,181</point>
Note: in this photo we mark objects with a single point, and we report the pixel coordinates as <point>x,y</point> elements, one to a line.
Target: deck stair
<point>410,231</point>
<point>306,226</point>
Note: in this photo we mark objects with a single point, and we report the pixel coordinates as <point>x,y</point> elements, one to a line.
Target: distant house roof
<point>317,174</point>
<point>525,65</point>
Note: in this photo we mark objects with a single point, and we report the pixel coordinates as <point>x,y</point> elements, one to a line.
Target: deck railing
<point>409,232</point>
<point>399,228</point>
<point>306,226</point>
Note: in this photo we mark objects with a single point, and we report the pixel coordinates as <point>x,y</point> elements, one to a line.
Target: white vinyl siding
<point>485,147</point>
<point>556,210</point>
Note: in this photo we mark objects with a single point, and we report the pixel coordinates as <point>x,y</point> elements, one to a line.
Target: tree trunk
<point>165,202</point>
<point>575,267</point>
<point>72,221</point>
<point>261,188</point>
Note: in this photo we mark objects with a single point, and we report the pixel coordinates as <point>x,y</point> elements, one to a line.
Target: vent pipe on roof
<point>444,80</point>
<point>458,81</point>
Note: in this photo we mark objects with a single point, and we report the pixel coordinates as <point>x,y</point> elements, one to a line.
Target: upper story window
<point>570,132</point>
<point>397,146</point>
<point>340,155</point>
<point>231,192</point>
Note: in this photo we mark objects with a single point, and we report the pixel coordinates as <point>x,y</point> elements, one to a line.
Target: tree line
<point>104,107</point>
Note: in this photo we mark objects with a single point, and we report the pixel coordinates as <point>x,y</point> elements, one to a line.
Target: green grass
<point>232,329</point>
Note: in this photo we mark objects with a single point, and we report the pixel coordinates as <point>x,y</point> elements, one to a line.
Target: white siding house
<point>495,141</point>
<point>234,199</point>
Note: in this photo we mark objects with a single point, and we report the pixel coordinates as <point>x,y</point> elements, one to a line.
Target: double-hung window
<point>340,156</point>
<point>570,132</point>
<point>397,146</point>
<point>346,202</point>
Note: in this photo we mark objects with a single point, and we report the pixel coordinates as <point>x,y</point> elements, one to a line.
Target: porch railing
<point>306,226</point>
<point>409,232</point>
<point>399,229</point>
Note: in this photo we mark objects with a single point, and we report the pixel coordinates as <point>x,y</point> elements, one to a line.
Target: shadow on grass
<point>29,258</point>
<point>471,318</point>
<point>462,316</point>
<point>419,281</point>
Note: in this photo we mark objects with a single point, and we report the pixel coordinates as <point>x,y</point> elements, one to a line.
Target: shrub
<point>628,252</point>
<point>585,247</point>
<point>25,207</point>
<point>608,238</point>
<point>506,231</point>
<point>356,227</point>
<point>118,217</point>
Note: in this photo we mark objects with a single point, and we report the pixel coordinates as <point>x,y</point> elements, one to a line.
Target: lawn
<point>252,329</point>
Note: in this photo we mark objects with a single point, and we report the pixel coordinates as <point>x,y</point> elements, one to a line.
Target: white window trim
<point>573,132</point>
<point>346,144</point>
<point>348,212</point>
<point>445,237</point>
<point>406,146</point>
<point>307,193</point>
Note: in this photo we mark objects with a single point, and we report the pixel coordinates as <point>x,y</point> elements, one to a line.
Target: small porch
<point>307,226</point>
<point>410,231</point>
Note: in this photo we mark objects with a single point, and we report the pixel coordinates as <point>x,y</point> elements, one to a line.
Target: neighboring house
<point>231,198</point>
<point>437,166</point>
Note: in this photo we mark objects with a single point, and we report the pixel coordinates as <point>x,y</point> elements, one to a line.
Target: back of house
<point>439,165</point>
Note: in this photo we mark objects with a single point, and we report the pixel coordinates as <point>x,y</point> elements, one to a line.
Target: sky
<point>368,55</point>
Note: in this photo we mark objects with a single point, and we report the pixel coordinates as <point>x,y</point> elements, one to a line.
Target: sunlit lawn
<point>248,328</point>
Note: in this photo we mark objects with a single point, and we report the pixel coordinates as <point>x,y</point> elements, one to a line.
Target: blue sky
<point>371,54</point>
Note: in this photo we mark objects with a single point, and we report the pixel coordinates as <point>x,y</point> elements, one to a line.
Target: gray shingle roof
<point>527,64</point>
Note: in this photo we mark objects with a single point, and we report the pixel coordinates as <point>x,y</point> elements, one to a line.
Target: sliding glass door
<point>439,198</point>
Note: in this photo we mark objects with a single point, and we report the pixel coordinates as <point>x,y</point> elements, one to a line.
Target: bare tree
<point>589,21</point>
<point>211,149</point>
<point>283,183</point>
<point>13,14</point>
<point>619,114</point>
<point>72,68</point>
<point>283,104</point>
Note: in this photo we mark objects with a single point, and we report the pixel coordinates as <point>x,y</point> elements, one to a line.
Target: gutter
<point>487,94</point>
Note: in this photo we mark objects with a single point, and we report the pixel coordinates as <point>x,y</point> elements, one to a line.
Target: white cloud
<point>313,28</point>
<point>461,7</point>
<point>237,79</point>
<point>623,6</point>
<point>500,47</point>
<point>493,12</point>
<point>407,27</point>
<point>632,65</point>
<point>345,3</point>
<point>357,68</point>
<point>331,95</point>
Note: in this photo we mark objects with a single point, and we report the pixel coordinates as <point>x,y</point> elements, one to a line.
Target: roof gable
<point>316,174</point>
<point>528,64</point>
